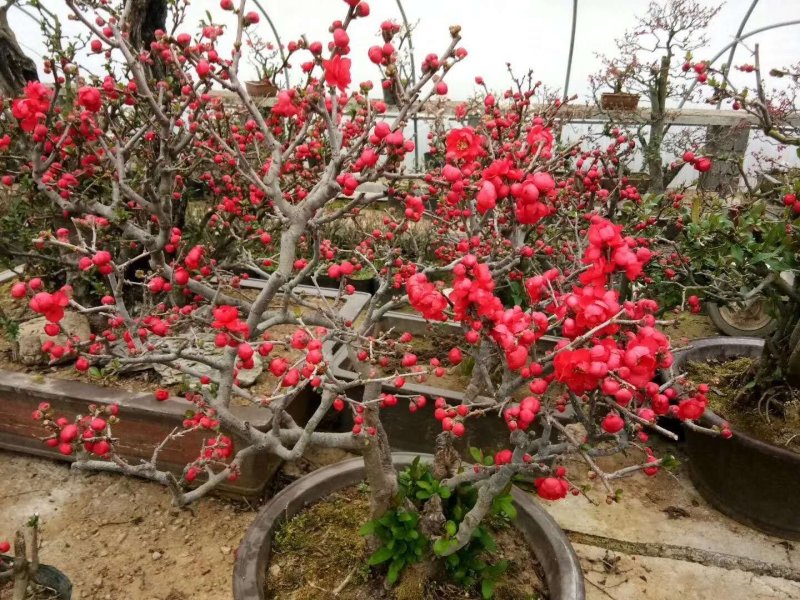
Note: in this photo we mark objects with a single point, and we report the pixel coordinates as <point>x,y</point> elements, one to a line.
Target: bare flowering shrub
<point>515,251</point>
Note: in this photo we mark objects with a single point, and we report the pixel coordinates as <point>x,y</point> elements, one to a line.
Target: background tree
<point>653,59</point>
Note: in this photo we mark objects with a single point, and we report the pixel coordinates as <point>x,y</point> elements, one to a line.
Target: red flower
<point>50,305</point>
<point>31,109</point>
<point>486,199</point>
<point>463,144</point>
<point>578,371</point>
<point>690,409</point>
<point>89,98</point>
<point>283,106</point>
<point>551,488</point>
<point>646,352</point>
<point>227,317</point>
<point>425,298</point>
<point>337,72</point>
<point>540,135</point>
<point>702,164</point>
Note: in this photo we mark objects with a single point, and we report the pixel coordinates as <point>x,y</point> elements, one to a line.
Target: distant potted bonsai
<point>654,59</point>
<point>619,100</point>
<point>264,58</point>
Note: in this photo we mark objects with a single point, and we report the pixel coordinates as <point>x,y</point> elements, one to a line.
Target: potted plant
<point>482,260</point>
<point>24,575</point>
<point>619,100</point>
<point>733,253</point>
<point>730,256</point>
<point>264,58</point>
<point>764,498</point>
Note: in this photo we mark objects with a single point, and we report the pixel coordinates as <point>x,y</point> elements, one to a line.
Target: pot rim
<point>563,573</point>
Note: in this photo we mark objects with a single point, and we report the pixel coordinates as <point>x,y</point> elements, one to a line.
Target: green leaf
<point>95,372</point>
<point>379,556</point>
<point>444,492</point>
<point>487,589</point>
<point>368,528</point>
<point>441,546</point>
<point>476,454</point>
<point>394,570</point>
<point>451,528</point>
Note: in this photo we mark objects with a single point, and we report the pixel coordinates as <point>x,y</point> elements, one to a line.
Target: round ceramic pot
<point>753,482</point>
<point>545,538</point>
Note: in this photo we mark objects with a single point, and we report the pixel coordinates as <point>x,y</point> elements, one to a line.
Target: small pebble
<point>156,555</point>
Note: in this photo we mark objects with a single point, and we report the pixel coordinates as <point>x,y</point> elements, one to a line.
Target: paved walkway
<point>667,509</point>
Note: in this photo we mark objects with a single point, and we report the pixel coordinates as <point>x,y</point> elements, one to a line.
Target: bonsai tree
<point>518,255</point>
<point>654,58</point>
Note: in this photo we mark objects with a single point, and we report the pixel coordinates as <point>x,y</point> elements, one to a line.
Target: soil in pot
<point>320,551</point>
<point>761,420</point>
<point>35,592</point>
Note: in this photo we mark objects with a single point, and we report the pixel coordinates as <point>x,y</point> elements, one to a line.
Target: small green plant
<point>402,542</point>
<point>417,483</point>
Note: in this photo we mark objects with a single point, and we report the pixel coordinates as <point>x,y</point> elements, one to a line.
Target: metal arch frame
<point>413,79</point>
<point>572,47</point>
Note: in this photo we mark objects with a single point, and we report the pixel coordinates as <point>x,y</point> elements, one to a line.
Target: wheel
<point>749,320</point>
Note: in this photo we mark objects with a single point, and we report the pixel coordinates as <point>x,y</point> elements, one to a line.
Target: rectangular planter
<point>144,422</point>
<point>416,432</point>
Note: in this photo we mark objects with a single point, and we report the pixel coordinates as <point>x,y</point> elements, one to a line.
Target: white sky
<point>527,33</point>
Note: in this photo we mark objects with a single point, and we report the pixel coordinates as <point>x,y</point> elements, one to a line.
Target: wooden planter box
<point>261,89</point>
<point>619,101</point>
<point>144,422</point>
<point>417,432</point>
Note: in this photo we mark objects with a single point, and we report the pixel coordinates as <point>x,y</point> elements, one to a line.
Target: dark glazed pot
<point>751,481</point>
<point>49,577</point>
<point>545,538</point>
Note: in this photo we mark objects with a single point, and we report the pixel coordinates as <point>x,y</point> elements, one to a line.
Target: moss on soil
<point>314,552</point>
<point>726,379</point>
<point>687,326</point>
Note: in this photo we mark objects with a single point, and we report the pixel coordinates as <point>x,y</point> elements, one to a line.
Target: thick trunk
<point>22,571</point>
<point>381,476</point>
<point>655,168</point>
<point>16,69</point>
<point>658,107</point>
<point>146,17</point>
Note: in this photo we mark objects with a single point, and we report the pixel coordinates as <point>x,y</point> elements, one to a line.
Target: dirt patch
<point>117,538</point>
<point>320,550</point>
<point>777,424</point>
